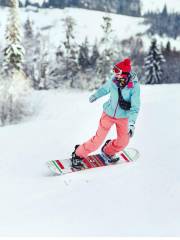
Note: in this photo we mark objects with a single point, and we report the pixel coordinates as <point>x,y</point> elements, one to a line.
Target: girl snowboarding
<point>121,109</point>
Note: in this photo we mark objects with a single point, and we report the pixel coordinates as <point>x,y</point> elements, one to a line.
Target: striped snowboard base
<point>60,167</point>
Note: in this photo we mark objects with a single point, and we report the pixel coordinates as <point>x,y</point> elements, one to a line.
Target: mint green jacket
<point>130,93</point>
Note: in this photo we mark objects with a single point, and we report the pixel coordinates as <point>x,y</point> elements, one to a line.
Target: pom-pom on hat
<point>125,66</point>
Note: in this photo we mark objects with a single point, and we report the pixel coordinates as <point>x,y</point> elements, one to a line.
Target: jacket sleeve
<point>103,90</point>
<point>135,104</point>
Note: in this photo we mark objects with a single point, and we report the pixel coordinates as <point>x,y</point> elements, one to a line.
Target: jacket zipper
<point>116,109</point>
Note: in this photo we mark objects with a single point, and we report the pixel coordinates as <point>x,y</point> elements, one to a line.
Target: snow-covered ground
<point>147,5</point>
<point>88,24</point>
<point>140,199</point>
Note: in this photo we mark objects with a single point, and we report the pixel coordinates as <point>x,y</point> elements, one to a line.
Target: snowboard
<point>61,167</point>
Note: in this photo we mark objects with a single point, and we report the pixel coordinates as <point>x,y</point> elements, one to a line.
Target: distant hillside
<point>127,7</point>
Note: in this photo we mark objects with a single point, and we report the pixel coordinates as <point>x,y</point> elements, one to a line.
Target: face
<point>119,74</point>
<point>122,78</point>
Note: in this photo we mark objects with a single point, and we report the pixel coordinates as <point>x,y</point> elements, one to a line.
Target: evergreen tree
<point>44,69</point>
<point>83,56</point>
<point>59,54</point>
<point>164,23</point>
<point>41,62</point>
<point>176,26</point>
<point>57,68</point>
<point>153,63</point>
<point>105,60</point>
<point>71,51</point>
<point>14,51</point>
<point>30,44</point>
<point>171,70</point>
<point>168,47</point>
<point>36,55</point>
<point>57,3</point>
<point>74,3</point>
<point>95,55</point>
<point>14,84</point>
<point>86,78</point>
<point>36,58</point>
<point>164,13</point>
<point>64,68</point>
<point>129,7</point>
<point>107,29</point>
<point>28,33</point>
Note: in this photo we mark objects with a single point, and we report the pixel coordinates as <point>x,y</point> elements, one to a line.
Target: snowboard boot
<point>110,159</point>
<point>76,161</point>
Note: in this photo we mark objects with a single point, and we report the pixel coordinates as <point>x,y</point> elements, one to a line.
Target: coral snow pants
<point>114,145</point>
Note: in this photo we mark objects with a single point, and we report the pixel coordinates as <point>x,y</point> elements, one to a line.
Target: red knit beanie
<point>125,66</point>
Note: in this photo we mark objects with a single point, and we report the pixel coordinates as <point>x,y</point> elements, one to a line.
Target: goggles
<point>123,78</point>
<point>119,71</point>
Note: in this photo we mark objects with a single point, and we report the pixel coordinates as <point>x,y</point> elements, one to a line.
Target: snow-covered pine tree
<point>36,58</point>
<point>30,43</point>
<point>172,65</point>
<point>59,54</point>
<point>95,55</point>
<point>14,51</point>
<point>64,68</point>
<point>44,65</point>
<point>71,51</point>
<point>56,71</point>
<point>14,86</point>
<point>107,29</point>
<point>83,56</point>
<point>28,29</point>
<point>41,62</point>
<point>153,62</point>
<point>86,77</point>
<point>105,60</point>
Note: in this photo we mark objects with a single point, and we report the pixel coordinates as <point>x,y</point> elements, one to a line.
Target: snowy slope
<point>88,24</point>
<point>141,199</point>
<point>147,5</point>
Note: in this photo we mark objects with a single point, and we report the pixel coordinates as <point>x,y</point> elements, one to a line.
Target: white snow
<point>153,5</point>
<point>88,24</point>
<point>140,199</point>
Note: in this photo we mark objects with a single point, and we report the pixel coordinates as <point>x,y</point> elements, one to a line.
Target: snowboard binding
<point>109,159</point>
<point>76,161</point>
